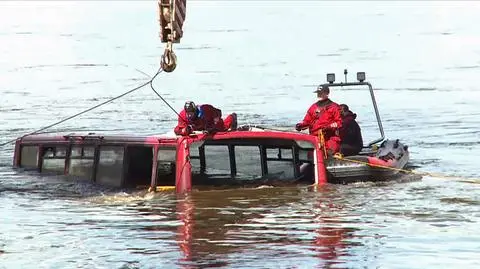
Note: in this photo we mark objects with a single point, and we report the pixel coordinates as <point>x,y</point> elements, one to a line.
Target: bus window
<point>248,162</point>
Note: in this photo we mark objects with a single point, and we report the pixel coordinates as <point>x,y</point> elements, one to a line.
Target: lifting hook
<point>168,62</point>
<point>172,16</point>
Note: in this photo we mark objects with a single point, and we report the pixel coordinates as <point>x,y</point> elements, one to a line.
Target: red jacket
<point>321,115</point>
<point>208,117</point>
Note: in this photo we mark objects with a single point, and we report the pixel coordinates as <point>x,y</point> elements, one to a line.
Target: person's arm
<point>336,117</point>
<point>307,120</point>
<point>182,127</point>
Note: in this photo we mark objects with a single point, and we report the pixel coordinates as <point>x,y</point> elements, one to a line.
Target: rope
<point>153,89</point>
<point>165,101</point>
<point>435,175</point>
<point>87,110</point>
<point>321,136</point>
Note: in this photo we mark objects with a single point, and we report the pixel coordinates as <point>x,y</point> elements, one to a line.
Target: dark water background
<point>261,60</point>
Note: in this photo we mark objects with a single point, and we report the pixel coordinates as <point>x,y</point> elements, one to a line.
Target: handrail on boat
<point>374,102</point>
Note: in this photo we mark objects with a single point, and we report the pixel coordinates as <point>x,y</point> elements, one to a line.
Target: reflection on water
<point>219,230</point>
<point>339,226</point>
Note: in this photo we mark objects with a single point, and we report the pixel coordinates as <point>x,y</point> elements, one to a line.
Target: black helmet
<point>190,106</point>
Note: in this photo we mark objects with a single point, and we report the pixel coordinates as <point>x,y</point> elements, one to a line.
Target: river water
<point>261,60</point>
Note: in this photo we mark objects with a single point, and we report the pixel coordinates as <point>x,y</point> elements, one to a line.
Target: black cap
<point>322,88</point>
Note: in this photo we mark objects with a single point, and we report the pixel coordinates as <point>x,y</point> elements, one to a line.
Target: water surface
<point>261,60</point>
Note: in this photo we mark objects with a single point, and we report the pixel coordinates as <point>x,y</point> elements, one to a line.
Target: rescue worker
<point>350,133</point>
<point>203,118</point>
<point>323,115</point>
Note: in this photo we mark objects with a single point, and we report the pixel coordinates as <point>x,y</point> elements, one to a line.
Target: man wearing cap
<point>203,118</point>
<point>324,115</point>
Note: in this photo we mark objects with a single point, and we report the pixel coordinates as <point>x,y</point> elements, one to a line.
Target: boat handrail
<point>374,102</point>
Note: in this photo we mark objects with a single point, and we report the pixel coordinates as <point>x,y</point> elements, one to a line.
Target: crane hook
<point>172,16</point>
<point>168,60</point>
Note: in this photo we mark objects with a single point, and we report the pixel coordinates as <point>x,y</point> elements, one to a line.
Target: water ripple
<point>426,97</point>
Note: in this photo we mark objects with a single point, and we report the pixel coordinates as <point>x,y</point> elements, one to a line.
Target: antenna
<point>345,72</point>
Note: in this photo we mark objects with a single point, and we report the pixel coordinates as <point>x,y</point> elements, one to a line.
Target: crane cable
<point>149,82</point>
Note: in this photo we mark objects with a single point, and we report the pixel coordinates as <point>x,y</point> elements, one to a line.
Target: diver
<point>203,118</point>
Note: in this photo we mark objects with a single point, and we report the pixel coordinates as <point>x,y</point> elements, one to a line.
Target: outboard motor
<point>391,150</point>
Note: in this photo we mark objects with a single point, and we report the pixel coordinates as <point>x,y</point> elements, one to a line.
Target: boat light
<point>331,77</point>
<point>361,76</point>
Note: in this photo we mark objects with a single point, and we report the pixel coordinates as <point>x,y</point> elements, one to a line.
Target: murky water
<point>261,60</point>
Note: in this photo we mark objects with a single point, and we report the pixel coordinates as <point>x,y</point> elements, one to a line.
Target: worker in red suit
<point>324,115</point>
<point>203,118</point>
